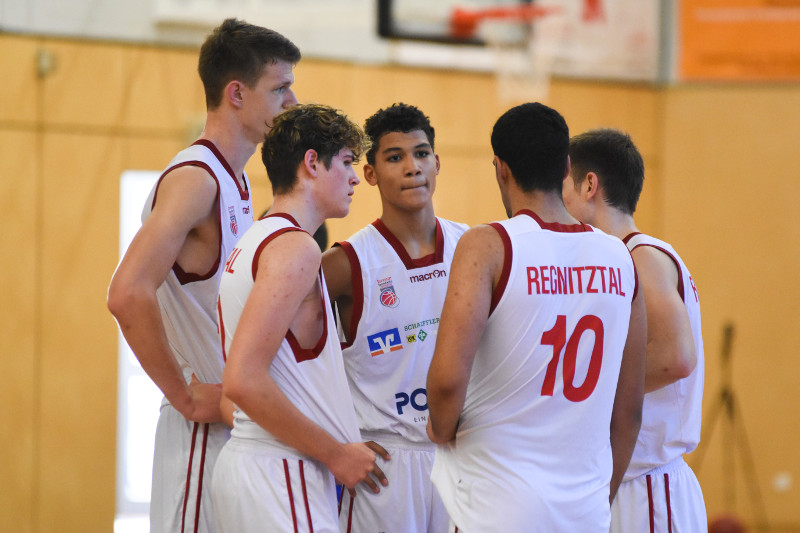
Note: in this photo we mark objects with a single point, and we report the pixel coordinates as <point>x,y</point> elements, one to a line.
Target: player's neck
<point>416,230</point>
<point>302,211</point>
<point>547,205</point>
<point>615,222</point>
<point>230,141</point>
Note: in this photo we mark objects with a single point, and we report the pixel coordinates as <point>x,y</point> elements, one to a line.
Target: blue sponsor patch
<point>385,341</point>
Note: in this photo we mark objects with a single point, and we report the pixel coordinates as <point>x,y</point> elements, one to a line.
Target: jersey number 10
<point>557,338</point>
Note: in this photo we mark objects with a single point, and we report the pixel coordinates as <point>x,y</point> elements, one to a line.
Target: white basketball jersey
<point>397,303</point>
<point>188,300</point>
<point>671,415</point>
<point>313,379</point>
<point>532,451</point>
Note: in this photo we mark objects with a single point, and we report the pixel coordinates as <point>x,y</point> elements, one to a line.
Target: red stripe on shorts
<point>669,507</point>
<point>188,477</point>
<point>289,490</point>
<point>650,504</point>
<point>305,497</point>
<point>200,479</point>
<point>350,511</point>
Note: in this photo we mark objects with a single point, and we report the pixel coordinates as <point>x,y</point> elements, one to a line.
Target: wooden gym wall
<point>720,186</point>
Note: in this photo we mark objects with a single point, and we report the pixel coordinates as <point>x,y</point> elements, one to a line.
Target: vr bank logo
<point>385,341</point>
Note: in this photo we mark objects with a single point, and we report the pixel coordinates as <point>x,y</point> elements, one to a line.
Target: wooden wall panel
<point>89,86</point>
<point>730,209</point>
<point>79,343</point>
<point>19,365</point>
<point>17,92</point>
<point>163,91</point>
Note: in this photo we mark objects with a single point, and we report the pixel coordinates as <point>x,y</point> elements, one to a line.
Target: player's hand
<point>353,464</point>
<point>205,402</point>
<point>381,451</point>
<point>377,448</point>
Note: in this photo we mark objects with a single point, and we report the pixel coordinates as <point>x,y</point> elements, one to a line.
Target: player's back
<point>535,424</point>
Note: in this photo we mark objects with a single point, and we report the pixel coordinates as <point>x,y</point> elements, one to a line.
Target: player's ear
<point>311,162</point>
<point>591,185</point>
<point>438,163</point>
<point>500,170</point>
<point>233,93</point>
<point>369,174</point>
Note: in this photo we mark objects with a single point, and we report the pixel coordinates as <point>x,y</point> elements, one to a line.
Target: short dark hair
<point>398,117</point>
<point>236,50</point>
<point>611,155</point>
<point>533,140</point>
<point>308,127</point>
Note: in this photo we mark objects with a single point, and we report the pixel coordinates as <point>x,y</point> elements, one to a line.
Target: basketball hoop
<point>524,40</point>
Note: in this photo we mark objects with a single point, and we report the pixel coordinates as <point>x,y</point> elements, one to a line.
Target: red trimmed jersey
<point>397,303</point>
<point>532,452</point>
<point>671,415</point>
<point>188,300</point>
<point>313,379</point>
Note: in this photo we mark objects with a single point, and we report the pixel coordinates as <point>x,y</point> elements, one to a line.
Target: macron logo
<point>385,341</point>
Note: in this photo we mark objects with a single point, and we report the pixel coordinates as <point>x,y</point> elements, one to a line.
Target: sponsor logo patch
<point>234,224</point>
<point>388,297</point>
<point>417,325</point>
<point>436,273</point>
<point>384,342</point>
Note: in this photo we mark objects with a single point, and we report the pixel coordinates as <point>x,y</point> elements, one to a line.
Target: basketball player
<point>659,492</point>
<point>536,384</point>
<point>389,281</point>
<point>164,291</point>
<point>295,428</point>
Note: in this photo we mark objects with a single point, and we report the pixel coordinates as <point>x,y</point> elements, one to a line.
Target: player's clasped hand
<point>355,463</point>
<point>205,402</point>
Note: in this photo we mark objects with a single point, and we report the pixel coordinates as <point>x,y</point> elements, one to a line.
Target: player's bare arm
<point>626,417</point>
<point>476,267</point>
<point>670,345</point>
<point>181,228</point>
<point>338,278</point>
<point>286,296</point>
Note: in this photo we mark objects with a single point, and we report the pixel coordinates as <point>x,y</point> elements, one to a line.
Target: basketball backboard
<point>598,39</point>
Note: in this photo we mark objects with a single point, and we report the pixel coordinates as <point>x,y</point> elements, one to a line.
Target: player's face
<point>338,184</point>
<point>405,170</point>
<point>270,95</point>
<point>573,200</point>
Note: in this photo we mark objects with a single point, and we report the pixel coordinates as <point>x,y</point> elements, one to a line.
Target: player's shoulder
<point>336,257</point>
<point>488,236</point>
<point>189,181</point>
<point>290,246</point>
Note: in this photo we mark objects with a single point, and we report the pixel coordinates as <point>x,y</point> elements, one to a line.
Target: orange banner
<point>739,40</point>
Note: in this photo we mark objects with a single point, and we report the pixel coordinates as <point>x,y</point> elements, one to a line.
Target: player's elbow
<point>237,384</point>
<point>233,388</point>
<point>120,298</point>
<point>686,363</point>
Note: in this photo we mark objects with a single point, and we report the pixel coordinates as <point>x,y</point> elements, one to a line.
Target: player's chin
<point>343,210</point>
